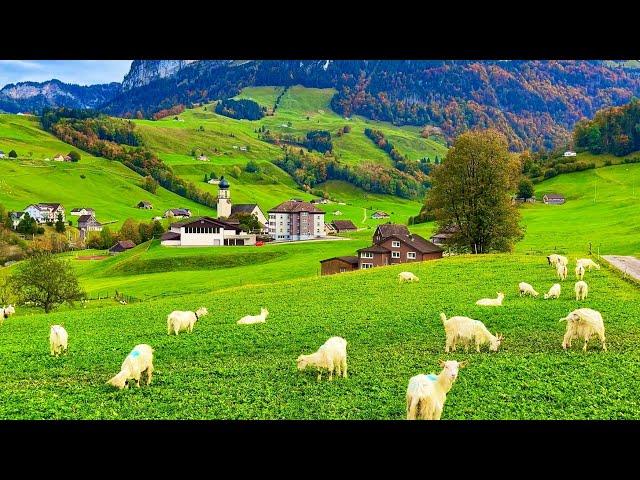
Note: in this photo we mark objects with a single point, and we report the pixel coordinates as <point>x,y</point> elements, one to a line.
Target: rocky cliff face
<point>143,72</point>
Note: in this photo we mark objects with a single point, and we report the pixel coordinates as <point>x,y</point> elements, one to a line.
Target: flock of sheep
<point>426,394</point>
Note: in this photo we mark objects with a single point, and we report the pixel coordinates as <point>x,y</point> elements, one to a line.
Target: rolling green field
<point>109,187</point>
<point>226,371</point>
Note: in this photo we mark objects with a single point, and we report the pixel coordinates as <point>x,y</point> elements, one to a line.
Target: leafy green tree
<point>525,188</point>
<point>471,190</point>
<point>47,281</point>
<point>13,154</point>
<point>75,156</point>
<point>27,225</point>
<point>248,222</point>
<point>106,238</point>
<point>130,231</point>
<point>206,178</point>
<point>157,229</point>
<point>60,228</point>
<point>149,184</point>
<point>252,167</point>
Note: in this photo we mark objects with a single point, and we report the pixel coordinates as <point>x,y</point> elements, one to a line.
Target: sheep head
<point>264,312</point>
<point>202,311</point>
<point>119,381</point>
<point>495,342</point>
<point>303,361</point>
<point>450,368</point>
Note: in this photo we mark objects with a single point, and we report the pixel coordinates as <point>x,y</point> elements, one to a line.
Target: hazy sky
<point>81,72</point>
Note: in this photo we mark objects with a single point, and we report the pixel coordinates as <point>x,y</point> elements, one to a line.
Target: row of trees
<point>133,230</point>
<point>240,109</point>
<point>613,130</point>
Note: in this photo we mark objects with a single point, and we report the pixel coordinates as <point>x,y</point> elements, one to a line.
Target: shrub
<point>252,167</point>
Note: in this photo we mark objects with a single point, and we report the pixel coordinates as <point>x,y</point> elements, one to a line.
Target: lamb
<point>332,356</point>
<point>555,259</point>
<point>466,330</point>
<point>554,291</point>
<point>249,319</point>
<point>491,302</point>
<point>426,394</point>
<point>561,271</point>
<point>407,277</point>
<point>588,263</point>
<point>582,289</point>
<point>2,316</point>
<point>579,271</point>
<point>526,289</point>
<point>139,361</point>
<point>583,323</point>
<point>178,321</point>
<point>58,340</point>
<point>8,311</point>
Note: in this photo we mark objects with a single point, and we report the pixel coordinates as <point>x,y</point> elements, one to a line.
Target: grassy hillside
<point>109,187</point>
<point>226,371</point>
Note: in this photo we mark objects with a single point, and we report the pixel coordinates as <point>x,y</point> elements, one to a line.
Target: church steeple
<point>224,198</point>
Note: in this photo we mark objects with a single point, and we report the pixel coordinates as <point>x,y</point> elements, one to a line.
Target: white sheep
<point>582,290</point>
<point>9,310</point>
<point>561,271</point>
<point>2,315</point>
<point>250,319</point>
<point>579,271</point>
<point>58,340</point>
<point>331,356</point>
<point>407,277</point>
<point>139,361</point>
<point>426,394</point>
<point>491,302</point>
<point>525,289</point>
<point>467,330</point>
<point>555,259</point>
<point>178,320</point>
<point>554,291</point>
<point>582,324</point>
<point>587,263</point>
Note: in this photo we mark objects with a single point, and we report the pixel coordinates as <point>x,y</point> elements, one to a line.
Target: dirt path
<point>626,264</point>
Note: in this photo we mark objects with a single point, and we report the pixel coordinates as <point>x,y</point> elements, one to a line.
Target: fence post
<point>590,249</point>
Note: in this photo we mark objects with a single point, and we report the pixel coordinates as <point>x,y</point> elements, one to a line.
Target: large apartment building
<point>296,220</point>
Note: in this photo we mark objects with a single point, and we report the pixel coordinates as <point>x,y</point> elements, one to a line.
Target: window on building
<point>366,255</point>
<point>411,255</point>
<point>366,265</point>
<point>395,244</point>
<point>342,269</point>
<point>395,254</point>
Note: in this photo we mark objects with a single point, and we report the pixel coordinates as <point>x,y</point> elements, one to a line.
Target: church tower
<point>224,199</point>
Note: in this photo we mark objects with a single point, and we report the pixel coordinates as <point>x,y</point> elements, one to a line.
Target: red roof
<point>293,206</point>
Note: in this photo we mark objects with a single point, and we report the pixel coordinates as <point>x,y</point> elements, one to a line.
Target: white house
<point>45,212</point>
<point>177,212</point>
<point>78,212</point>
<point>206,232</point>
<point>1,154</point>
<point>296,220</point>
<point>569,153</point>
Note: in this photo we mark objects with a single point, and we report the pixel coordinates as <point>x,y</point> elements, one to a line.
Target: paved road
<point>626,264</point>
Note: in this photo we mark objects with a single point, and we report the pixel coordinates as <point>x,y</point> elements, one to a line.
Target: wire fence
<point>119,297</point>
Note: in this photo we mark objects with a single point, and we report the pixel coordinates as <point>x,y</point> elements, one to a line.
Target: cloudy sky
<point>81,72</point>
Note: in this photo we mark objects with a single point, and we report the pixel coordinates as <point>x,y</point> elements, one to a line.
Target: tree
<point>248,222</point>
<point>27,225</point>
<point>129,231</point>
<point>60,228</point>
<point>106,238</point>
<point>75,156</point>
<point>525,188</point>
<point>13,154</point>
<point>252,167</point>
<point>206,178</point>
<point>46,281</point>
<point>471,191</point>
<point>157,229</point>
<point>149,184</point>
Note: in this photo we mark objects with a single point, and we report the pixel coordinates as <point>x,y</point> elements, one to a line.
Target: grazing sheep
<point>178,321</point>
<point>2,316</point>
<point>249,319</point>
<point>467,330</point>
<point>554,291</point>
<point>8,311</point>
<point>561,271</point>
<point>579,271</point>
<point>587,263</point>
<point>526,289</point>
<point>426,394</point>
<point>582,289</point>
<point>407,277</point>
<point>555,259</point>
<point>58,340</point>
<point>491,302</point>
<point>582,324</point>
<point>332,356</point>
<point>139,361</point>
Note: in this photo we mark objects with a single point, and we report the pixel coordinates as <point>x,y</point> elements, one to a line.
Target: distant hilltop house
<point>88,223</point>
<point>1,154</point>
<point>329,229</point>
<point>569,153</point>
<point>177,213</point>
<point>392,244</point>
<point>553,199</point>
<point>337,212</point>
<point>206,232</point>
<point>202,157</point>
<point>243,149</point>
<point>122,246</point>
<point>516,199</point>
<point>296,220</point>
<point>62,158</point>
<point>78,212</point>
<point>213,181</point>
<point>442,236</point>
<point>344,226</point>
<point>379,214</point>
<point>145,205</point>
<point>227,211</point>
<point>319,201</point>
<point>45,212</point>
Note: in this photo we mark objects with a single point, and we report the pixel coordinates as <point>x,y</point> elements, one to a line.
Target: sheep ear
<point>441,362</point>
<point>463,364</point>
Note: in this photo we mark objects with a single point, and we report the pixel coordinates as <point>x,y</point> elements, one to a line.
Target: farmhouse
<point>202,157</point>
<point>296,220</point>
<point>379,214</point>
<point>122,246</point>
<point>569,153</point>
<point>45,212</point>
<point>206,232</point>
<point>319,201</point>
<point>177,213</point>
<point>1,154</point>
<point>442,236</point>
<point>329,229</point>
<point>62,158</point>
<point>334,265</point>
<point>553,199</point>
<point>88,223</point>
<point>344,226</point>
<point>78,212</point>
<point>213,181</point>
<point>388,229</point>
<point>145,205</point>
